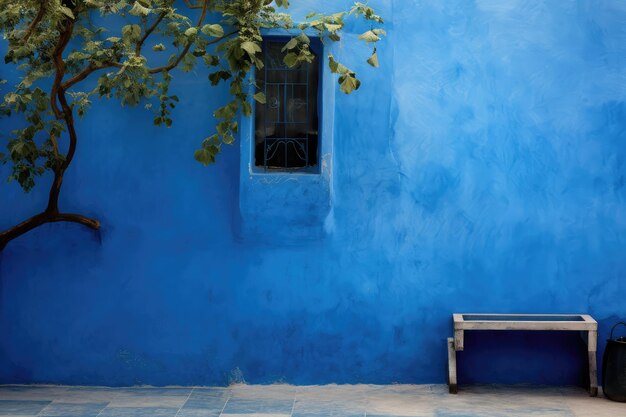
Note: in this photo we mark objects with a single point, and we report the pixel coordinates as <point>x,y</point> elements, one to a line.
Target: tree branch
<point>182,55</point>
<point>38,18</point>
<point>174,64</point>
<point>89,69</point>
<point>24,227</point>
<point>148,32</point>
<point>77,218</point>
<point>42,218</point>
<point>65,114</point>
<point>85,72</point>
<point>58,92</point>
<point>57,57</point>
<point>55,189</point>
<point>192,5</point>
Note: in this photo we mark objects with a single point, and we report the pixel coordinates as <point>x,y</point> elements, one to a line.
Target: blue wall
<point>480,169</point>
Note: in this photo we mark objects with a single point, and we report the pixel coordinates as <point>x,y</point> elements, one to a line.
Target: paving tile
<point>21,407</point>
<point>255,415</point>
<point>333,400</point>
<point>150,391</point>
<point>89,394</point>
<point>139,412</point>
<point>150,397</point>
<point>208,398</point>
<point>582,405</point>
<point>274,392</point>
<point>529,411</point>
<point>393,415</point>
<point>328,413</point>
<point>469,413</point>
<point>200,393</point>
<point>205,402</point>
<point>311,401</point>
<point>199,412</point>
<point>31,392</point>
<point>402,412</point>
<point>319,407</point>
<point>539,412</point>
<point>402,401</point>
<point>263,406</point>
<point>62,409</point>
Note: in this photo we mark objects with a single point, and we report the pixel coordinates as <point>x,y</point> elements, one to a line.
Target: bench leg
<point>592,340</point>
<point>459,339</point>
<point>452,383</point>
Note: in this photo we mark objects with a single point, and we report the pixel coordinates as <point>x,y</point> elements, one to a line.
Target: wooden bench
<point>568,322</point>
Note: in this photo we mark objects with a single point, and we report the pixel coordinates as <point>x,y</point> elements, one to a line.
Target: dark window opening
<point>286,126</point>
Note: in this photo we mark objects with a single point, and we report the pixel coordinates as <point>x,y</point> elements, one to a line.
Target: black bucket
<point>614,368</point>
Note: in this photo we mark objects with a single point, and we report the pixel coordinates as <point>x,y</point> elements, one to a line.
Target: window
<point>287,126</point>
<point>286,158</point>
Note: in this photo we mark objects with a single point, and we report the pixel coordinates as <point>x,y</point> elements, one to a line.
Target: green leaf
<point>204,156</point>
<point>291,60</point>
<point>211,60</point>
<point>303,38</point>
<point>216,77</point>
<point>246,108</point>
<point>332,27</point>
<point>226,112</point>
<point>211,141</point>
<point>293,42</point>
<point>228,139</point>
<point>336,67</point>
<point>191,32</point>
<point>369,36</point>
<point>67,12</point>
<point>131,33</point>
<point>139,10</point>
<point>373,60</point>
<point>250,47</point>
<point>282,3</point>
<point>349,83</point>
<point>77,55</point>
<point>260,97</point>
<point>222,127</point>
<point>215,30</point>
<point>334,37</point>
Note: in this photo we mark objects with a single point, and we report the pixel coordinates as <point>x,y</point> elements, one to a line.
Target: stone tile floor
<point>304,401</point>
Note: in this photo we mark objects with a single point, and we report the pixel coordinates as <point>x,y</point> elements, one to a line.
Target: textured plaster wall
<point>480,169</point>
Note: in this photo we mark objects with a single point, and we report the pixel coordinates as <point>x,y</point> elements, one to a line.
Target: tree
<point>60,44</point>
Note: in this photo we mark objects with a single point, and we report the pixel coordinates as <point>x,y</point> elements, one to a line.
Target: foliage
<point>96,43</point>
<point>58,45</point>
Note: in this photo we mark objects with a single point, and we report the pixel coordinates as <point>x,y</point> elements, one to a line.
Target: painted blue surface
<point>480,169</point>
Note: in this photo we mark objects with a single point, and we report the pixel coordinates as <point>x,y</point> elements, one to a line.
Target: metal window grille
<point>286,125</point>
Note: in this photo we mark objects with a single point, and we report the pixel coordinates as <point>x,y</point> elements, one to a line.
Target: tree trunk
<point>57,96</point>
